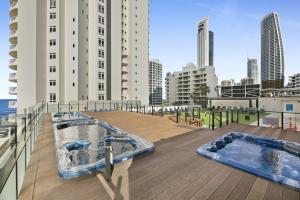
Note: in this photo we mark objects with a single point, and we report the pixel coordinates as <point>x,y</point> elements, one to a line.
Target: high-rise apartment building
<point>252,70</point>
<point>155,82</point>
<point>71,50</point>
<point>272,55</point>
<point>205,44</point>
<point>180,85</point>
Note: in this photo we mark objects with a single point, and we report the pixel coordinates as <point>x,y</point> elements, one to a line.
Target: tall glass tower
<point>272,56</point>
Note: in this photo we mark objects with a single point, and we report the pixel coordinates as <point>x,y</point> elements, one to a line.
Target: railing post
<point>57,106</point>
<point>137,108</point>
<point>95,106</point>
<point>47,107</point>
<point>237,117</point>
<point>177,115</point>
<point>227,116</point>
<point>199,116</point>
<point>213,121</point>
<point>185,115</point>
<point>109,104</point>
<point>144,109</point>
<point>231,116</point>
<point>193,113</point>
<point>221,116</point>
<point>282,120</point>
<point>87,105</point>
<point>78,106</point>
<point>152,110</point>
<point>131,107</point>
<point>69,106</point>
<point>162,111</point>
<point>258,118</point>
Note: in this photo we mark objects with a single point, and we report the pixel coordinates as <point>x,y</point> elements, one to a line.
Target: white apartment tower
<point>205,44</point>
<point>155,82</point>
<point>73,50</point>
<point>180,85</point>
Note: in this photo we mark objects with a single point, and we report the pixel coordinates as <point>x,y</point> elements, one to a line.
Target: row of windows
<point>52,4</point>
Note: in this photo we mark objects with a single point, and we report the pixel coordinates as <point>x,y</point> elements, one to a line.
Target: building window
<point>101,42</point>
<point>100,19</point>
<point>101,31</point>
<point>101,64</point>
<point>52,3</point>
<point>52,15</point>
<point>52,82</point>
<point>52,69</point>
<point>101,75</point>
<point>101,8</point>
<point>100,86</point>
<point>52,97</point>
<point>73,84</point>
<point>100,97</point>
<point>52,42</point>
<point>52,56</point>
<point>101,53</point>
<point>52,29</point>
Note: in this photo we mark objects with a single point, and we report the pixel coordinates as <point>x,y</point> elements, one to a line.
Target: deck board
<point>174,171</point>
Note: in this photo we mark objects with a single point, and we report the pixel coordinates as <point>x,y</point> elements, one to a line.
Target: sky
<point>173,34</point>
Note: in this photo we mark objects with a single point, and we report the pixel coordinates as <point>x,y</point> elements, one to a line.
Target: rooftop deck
<point>173,171</point>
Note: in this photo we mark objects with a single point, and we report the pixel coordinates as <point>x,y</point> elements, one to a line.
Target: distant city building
<point>180,85</point>
<point>272,55</point>
<point>252,70</point>
<point>240,91</point>
<point>171,87</point>
<point>205,45</point>
<point>155,82</point>
<point>226,83</point>
<point>294,84</point>
<point>247,81</point>
<point>78,50</point>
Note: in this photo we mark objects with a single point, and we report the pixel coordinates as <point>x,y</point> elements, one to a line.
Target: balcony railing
<point>13,91</point>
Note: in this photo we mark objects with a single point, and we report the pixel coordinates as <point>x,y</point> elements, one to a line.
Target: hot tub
<point>69,116</point>
<point>276,160</point>
<point>80,147</point>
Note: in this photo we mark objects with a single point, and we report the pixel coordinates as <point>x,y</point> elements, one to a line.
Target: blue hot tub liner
<point>69,116</point>
<point>80,147</point>
<point>276,160</point>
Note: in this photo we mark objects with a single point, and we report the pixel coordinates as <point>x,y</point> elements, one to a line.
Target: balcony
<point>124,86</point>
<point>13,11</point>
<point>124,70</point>
<point>13,23</point>
<point>124,77</point>
<point>12,91</point>
<point>12,104</point>
<point>13,50</point>
<point>13,64</point>
<point>12,77</point>
<point>124,62</point>
<point>13,37</point>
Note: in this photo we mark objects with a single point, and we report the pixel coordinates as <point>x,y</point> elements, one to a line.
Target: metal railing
<point>18,134</point>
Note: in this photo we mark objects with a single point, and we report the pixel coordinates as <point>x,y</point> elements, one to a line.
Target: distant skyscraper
<point>272,56</point>
<point>252,70</point>
<point>155,82</point>
<point>205,49</point>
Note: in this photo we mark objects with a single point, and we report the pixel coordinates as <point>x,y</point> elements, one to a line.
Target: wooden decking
<point>174,171</point>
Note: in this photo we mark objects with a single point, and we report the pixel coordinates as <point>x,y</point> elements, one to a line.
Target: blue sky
<point>173,29</point>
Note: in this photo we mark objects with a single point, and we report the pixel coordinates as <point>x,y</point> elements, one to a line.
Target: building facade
<point>79,50</point>
<point>155,82</point>
<point>226,83</point>
<point>240,91</point>
<point>252,70</point>
<point>272,55</point>
<point>180,85</point>
<point>205,44</point>
<point>294,84</point>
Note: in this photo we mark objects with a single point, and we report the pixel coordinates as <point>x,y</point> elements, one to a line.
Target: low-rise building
<point>182,84</point>
<point>294,84</point>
